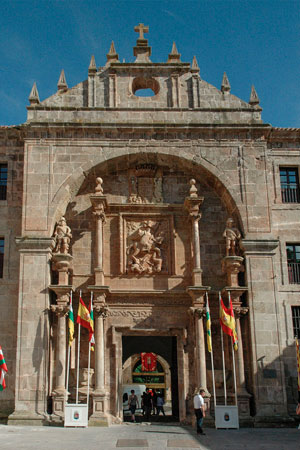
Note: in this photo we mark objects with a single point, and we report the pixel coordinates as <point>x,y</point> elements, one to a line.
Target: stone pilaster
<point>268,369</point>
<point>32,352</point>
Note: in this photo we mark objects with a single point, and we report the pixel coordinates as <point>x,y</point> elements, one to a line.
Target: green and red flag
<point>227,322</point>
<point>3,370</point>
<point>208,327</point>
<point>91,331</point>
<point>71,323</point>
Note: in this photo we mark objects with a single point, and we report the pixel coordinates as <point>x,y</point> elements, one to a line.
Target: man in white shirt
<point>199,409</point>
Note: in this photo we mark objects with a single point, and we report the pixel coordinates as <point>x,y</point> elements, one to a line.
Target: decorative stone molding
<point>63,264</point>
<point>259,246</point>
<point>232,266</point>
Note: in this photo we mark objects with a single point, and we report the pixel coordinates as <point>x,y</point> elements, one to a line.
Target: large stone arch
<point>223,185</point>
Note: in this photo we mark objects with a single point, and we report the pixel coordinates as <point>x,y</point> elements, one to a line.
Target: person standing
<point>147,402</point>
<point>199,406</point>
<point>160,405</point>
<point>133,403</point>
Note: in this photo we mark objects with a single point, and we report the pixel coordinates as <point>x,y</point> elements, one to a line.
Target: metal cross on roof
<point>141,28</point>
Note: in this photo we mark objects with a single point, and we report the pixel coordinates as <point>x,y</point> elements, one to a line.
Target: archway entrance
<point>163,379</point>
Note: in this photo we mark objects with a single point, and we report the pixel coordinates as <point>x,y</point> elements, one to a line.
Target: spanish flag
<point>83,316</point>
<point>227,322</point>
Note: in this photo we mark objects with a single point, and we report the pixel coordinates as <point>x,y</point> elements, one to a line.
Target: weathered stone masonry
<point>146,186</point>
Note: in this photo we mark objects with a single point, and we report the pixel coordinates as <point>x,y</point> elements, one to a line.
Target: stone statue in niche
<point>62,236</point>
<point>232,236</point>
<point>143,247</point>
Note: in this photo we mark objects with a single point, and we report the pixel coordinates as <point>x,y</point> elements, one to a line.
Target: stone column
<point>238,312</point>
<point>192,204</point>
<point>199,313</point>
<point>59,393</point>
<point>99,204</point>
<point>100,396</point>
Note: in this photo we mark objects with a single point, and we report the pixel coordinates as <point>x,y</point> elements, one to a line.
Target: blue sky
<point>255,42</point>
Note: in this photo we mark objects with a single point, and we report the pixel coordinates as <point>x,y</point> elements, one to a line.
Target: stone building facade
<point>146,186</point>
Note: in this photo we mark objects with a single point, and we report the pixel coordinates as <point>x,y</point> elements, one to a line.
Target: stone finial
<point>193,189</point>
<point>92,66</point>
<point>141,28</point>
<point>174,56</point>
<point>99,188</point>
<point>62,235</point>
<point>254,100</point>
<point>225,86</point>
<point>34,95</point>
<point>195,68</point>
<point>62,84</point>
<point>112,55</point>
<point>142,51</point>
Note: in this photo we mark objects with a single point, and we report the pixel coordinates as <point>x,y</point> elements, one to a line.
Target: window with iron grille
<point>1,256</point>
<point>3,181</point>
<point>293,261</point>
<point>296,321</point>
<point>289,181</point>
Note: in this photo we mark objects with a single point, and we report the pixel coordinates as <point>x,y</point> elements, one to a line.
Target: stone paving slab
<point>157,436</point>
<point>129,443</point>
<point>183,443</point>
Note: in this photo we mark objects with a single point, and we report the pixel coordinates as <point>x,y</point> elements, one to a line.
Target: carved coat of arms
<point>144,242</point>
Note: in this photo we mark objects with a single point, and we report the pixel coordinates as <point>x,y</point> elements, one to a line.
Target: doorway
<point>164,379</point>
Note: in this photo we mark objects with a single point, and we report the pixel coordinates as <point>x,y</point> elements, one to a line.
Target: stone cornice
<point>259,246</point>
<point>28,244</point>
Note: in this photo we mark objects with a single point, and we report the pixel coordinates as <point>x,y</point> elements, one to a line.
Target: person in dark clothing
<point>154,401</point>
<point>147,402</point>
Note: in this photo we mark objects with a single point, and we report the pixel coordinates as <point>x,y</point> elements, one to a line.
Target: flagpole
<point>233,361</point>
<point>212,363</point>
<point>68,357</point>
<point>89,362</point>
<point>223,359</point>
<point>78,354</point>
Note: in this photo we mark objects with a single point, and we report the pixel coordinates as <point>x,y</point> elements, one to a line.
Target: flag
<point>227,322</point>
<point>298,363</point>
<point>3,369</point>
<point>83,316</point>
<point>71,322</point>
<point>208,327</point>
<point>91,331</point>
<point>149,361</point>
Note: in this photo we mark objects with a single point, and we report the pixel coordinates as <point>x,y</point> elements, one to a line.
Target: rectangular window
<point>3,181</point>
<point>289,181</point>
<point>1,256</point>
<point>293,261</point>
<point>296,321</point>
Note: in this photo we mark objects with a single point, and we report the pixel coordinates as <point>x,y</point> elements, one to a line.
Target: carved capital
<point>60,310</point>
<point>240,311</point>
<point>198,312</point>
<point>101,311</point>
<point>99,212</point>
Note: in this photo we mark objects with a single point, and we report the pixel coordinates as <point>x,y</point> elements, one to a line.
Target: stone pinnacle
<point>62,84</point>
<point>254,100</point>
<point>34,95</point>
<point>225,86</point>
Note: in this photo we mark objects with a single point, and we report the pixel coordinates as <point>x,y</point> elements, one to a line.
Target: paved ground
<point>143,436</point>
